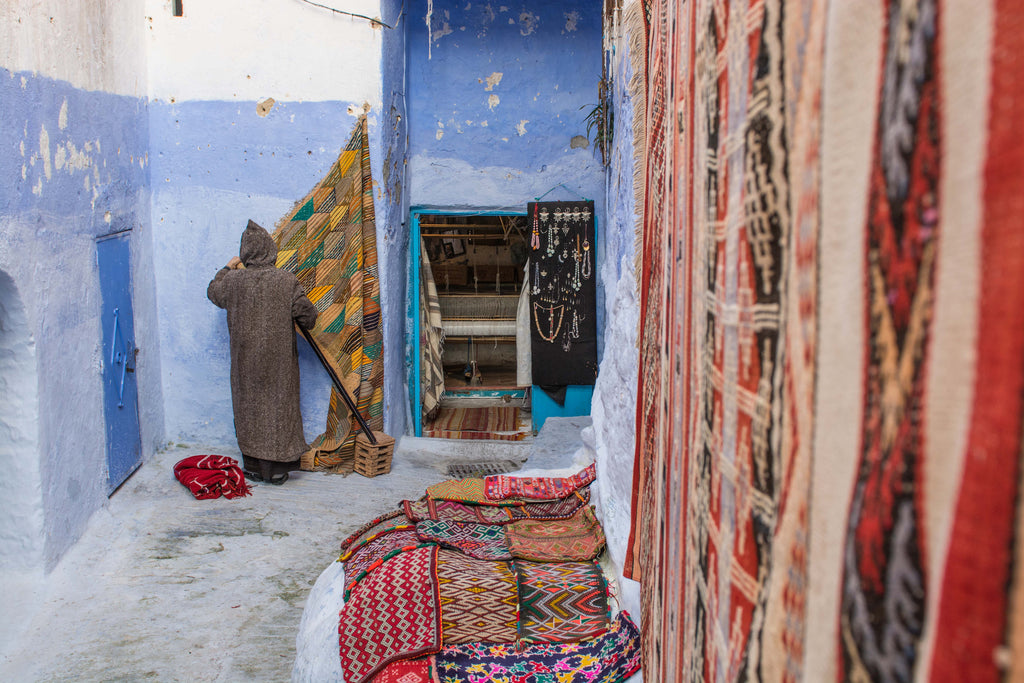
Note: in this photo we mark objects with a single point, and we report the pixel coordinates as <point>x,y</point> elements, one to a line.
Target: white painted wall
<point>255,49</point>
<point>94,45</point>
<point>612,435</point>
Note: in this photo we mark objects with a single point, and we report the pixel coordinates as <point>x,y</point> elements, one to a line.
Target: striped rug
<point>500,424</point>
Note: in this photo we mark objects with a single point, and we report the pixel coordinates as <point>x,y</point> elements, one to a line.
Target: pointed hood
<point>258,249</point>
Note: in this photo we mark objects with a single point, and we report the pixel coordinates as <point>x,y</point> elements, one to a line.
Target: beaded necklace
<point>552,328</point>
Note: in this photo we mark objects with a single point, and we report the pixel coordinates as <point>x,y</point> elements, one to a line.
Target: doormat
<point>500,424</point>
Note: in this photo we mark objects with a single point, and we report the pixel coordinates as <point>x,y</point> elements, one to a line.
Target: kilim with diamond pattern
<point>429,508</point>
<point>478,599</point>
<point>482,541</point>
<point>370,556</point>
<point>504,486</point>
<point>395,616</point>
<point>401,523</point>
<point>329,241</point>
<point>576,539</point>
<point>561,601</point>
<point>368,529</point>
<point>450,510</point>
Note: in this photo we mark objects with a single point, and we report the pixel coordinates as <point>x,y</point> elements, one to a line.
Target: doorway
<point>120,394</point>
<point>468,276</point>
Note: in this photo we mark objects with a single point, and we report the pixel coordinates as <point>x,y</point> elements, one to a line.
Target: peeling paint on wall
<point>527,23</point>
<point>263,108</point>
<point>493,80</point>
<point>521,127</point>
<point>44,152</point>
<point>571,19</point>
<point>493,101</point>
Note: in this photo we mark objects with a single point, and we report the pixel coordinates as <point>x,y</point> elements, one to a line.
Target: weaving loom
<point>479,315</point>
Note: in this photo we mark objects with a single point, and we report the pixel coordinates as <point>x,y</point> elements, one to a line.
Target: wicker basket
<point>374,459</point>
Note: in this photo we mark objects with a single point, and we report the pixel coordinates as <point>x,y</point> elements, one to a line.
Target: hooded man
<point>262,304</point>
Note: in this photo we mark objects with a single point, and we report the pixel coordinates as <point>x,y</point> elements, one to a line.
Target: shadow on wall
<point>21,514</point>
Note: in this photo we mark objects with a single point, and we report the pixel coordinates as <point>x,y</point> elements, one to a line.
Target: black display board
<point>563,292</point>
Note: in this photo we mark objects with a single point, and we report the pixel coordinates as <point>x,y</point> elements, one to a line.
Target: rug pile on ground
<point>489,579</point>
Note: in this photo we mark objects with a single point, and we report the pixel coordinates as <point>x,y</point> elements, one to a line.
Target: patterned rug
<point>329,242</point>
<point>467,491</point>
<point>397,523</point>
<point>395,616</point>
<point>982,607</point>
<point>480,541</point>
<point>407,671</point>
<point>426,509</point>
<point>362,562</point>
<point>609,658</point>
<point>723,433</point>
<point>575,539</point>
<point>555,509</point>
<point>503,486</point>
<point>450,510</point>
<point>370,528</point>
<point>561,602</point>
<point>883,561</point>
<point>500,424</point>
<point>431,339</point>
<point>478,599</point>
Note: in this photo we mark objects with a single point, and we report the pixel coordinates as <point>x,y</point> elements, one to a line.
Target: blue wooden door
<point>120,396</point>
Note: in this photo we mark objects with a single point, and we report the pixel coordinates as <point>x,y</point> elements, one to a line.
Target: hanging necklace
<point>553,329</point>
<point>536,278</point>
<point>535,238</point>
<point>551,233</point>
<point>586,259</point>
<point>574,331</point>
<point>577,257</point>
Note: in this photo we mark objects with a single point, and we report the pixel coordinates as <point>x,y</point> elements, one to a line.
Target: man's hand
<point>235,263</point>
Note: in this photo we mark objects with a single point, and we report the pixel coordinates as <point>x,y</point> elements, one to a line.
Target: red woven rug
<point>499,424</point>
<point>396,615</point>
<point>981,610</point>
<point>726,345</point>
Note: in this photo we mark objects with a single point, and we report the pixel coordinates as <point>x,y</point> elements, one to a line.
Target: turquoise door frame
<point>415,394</point>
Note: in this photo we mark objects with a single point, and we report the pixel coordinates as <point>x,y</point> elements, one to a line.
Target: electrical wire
<point>378,22</point>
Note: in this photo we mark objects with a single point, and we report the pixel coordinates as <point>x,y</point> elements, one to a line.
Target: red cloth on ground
<point>209,476</point>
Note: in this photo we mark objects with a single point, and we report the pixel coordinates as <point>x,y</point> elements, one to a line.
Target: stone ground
<point>165,587</point>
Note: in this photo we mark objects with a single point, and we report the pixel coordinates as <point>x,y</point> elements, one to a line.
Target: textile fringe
<point>636,30</point>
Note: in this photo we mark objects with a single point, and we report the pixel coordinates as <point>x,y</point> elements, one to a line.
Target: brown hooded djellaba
<point>262,303</point>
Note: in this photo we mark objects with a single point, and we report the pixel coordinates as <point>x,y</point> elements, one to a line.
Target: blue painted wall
<point>476,140</point>
<point>498,97</point>
<point>75,166</point>
<point>215,165</point>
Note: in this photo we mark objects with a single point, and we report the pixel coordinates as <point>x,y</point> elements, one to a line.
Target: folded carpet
<point>211,476</point>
